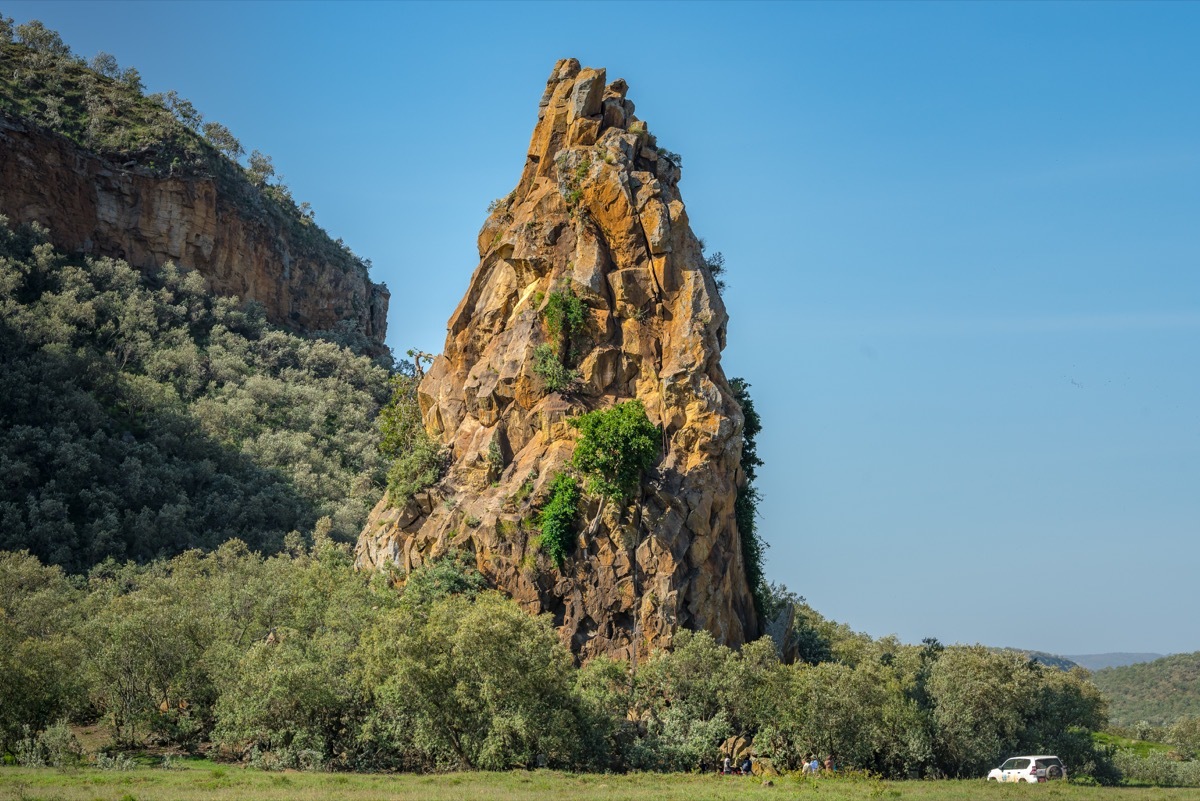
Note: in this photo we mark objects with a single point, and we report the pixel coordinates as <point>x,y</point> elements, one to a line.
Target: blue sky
<point>962,244</point>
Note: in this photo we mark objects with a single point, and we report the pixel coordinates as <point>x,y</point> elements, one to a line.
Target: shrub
<point>548,367</point>
<point>615,447</point>
<point>565,314</point>
<point>746,503</point>
<point>671,156</point>
<point>115,762</point>
<point>558,518</point>
<point>56,747</point>
<point>421,467</point>
<point>452,574</point>
<point>476,683</point>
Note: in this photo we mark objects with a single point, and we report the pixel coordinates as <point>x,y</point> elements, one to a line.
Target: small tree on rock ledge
<point>615,447</point>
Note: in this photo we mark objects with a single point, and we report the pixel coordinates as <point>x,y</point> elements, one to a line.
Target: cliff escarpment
<point>216,224</point>
<point>596,216</point>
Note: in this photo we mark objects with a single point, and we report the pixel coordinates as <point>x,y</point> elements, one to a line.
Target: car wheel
<point>991,778</point>
<point>1054,772</point>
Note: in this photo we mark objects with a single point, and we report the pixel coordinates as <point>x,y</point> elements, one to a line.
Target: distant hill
<point>1102,661</point>
<point>1051,660</point>
<point>1159,691</point>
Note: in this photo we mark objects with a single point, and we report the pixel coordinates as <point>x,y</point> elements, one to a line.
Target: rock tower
<point>597,212</point>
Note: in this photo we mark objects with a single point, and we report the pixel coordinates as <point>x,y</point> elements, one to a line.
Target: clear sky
<point>962,241</point>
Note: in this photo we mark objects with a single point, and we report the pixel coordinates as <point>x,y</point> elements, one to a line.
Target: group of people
<point>812,766</point>
<point>744,769</point>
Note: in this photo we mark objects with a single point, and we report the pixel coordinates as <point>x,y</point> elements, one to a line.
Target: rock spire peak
<point>596,216</point>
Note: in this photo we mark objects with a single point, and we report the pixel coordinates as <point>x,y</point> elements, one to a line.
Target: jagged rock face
<point>95,207</point>
<point>596,210</point>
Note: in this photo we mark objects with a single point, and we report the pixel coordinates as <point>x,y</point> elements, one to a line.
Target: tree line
<point>297,660</point>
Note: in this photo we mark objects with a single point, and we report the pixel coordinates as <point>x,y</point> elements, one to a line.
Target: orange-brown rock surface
<point>597,210</point>
<point>94,206</point>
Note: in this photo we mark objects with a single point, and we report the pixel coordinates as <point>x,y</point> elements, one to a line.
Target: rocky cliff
<point>233,237</point>
<point>597,213</point>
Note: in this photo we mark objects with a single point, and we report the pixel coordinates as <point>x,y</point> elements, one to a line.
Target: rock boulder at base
<point>597,213</point>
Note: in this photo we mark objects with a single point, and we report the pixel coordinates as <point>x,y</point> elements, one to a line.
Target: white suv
<point>1029,769</point>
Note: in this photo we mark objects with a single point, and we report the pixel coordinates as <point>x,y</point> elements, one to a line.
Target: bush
<point>548,367</point>
<point>558,518</point>
<point>56,747</point>
<point>116,761</point>
<point>420,468</point>
<point>452,574</point>
<point>474,684</point>
<point>746,504</point>
<point>564,313</point>
<point>615,447</point>
<point>1156,768</point>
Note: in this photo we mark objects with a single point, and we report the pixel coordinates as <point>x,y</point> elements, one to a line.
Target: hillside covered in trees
<point>113,171</point>
<point>1158,692</point>
<point>142,416</point>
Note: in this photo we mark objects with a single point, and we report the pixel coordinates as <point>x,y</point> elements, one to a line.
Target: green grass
<point>1142,748</point>
<point>209,782</point>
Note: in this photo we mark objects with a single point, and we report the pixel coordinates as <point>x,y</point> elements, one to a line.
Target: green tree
<point>747,500</point>
<point>105,64</point>
<point>261,170</point>
<point>39,683</point>
<point>558,518</point>
<point>979,706</point>
<point>681,694</point>
<point>615,447</point>
<point>475,684</point>
<point>36,36</point>
<point>451,574</point>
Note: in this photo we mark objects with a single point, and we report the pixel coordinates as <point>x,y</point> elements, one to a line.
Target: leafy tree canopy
<point>615,447</point>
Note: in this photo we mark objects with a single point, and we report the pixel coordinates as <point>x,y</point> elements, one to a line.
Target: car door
<point>1006,768</point>
<point>1016,771</point>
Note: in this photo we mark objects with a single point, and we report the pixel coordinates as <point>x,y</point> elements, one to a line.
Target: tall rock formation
<point>597,211</point>
<point>222,229</point>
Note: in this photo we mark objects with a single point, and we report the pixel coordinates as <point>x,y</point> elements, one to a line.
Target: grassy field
<point>228,783</point>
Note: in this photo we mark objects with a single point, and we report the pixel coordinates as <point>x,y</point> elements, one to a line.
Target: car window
<point>1019,764</point>
<point>1009,765</point>
<point>1045,763</point>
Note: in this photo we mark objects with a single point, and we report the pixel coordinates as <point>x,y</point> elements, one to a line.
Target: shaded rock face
<point>597,211</point>
<point>94,207</point>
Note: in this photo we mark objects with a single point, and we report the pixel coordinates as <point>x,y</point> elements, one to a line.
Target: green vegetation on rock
<point>550,368</point>
<point>558,518</point>
<point>565,318</point>
<point>746,503</point>
<point>615,447</point>
<point>565,314</point>
<point>417,461</point>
